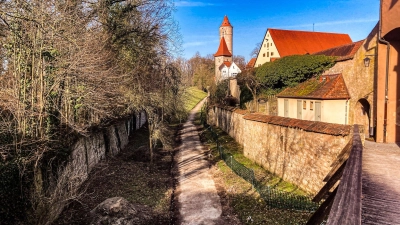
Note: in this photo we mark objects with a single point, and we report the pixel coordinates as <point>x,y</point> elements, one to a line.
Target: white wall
<point>267,48</point>
<point>335,111</point>
<point>332,111</point>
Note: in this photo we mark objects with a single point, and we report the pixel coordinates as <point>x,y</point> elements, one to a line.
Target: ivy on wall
<point>291,70</point>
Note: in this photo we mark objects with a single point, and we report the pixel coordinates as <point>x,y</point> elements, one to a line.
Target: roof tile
<point>343,52</point>
<point>223,49</point>
<point>326,87</point>
<point>251,63</point>
<point>290,42</point>
<point>306,125</point>
<point>225,22</point>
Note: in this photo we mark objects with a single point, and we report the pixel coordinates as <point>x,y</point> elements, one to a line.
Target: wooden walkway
<point>381,184</point>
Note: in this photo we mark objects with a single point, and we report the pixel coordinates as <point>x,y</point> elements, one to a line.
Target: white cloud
<point>192,4</point>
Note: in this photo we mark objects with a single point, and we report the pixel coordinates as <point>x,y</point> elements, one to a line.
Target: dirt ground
<point>127,175</point>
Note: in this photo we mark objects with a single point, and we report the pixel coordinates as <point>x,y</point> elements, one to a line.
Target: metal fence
<point>273,197</point>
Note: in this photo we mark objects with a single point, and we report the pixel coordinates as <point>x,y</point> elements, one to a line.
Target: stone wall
<point>85,154</point>
<point>298,151</point>
<point>360,81</point>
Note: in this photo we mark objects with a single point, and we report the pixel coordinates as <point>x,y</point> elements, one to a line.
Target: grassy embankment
<point>239,195</point>
<point>192,96</point>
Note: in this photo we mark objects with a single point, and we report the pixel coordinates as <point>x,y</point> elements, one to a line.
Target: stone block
<point>122,134</point>
<point>96,149</point>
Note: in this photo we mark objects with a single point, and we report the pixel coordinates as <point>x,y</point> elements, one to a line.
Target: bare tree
<point>256,50</point>
<point>240,61</point>
<point>67,66</point>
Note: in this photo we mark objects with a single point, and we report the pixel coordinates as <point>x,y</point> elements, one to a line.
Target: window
<point>304,104</point>
<point>272,53</point>
<point>267,54</point>
<point>264,55</point>
<point>265,45</point>
<point>311,105</point>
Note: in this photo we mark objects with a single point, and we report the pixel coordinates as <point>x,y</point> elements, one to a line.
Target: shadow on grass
<point>251,208</point>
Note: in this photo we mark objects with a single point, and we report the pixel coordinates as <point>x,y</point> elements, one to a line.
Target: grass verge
<point>239,195</point>
<point>192,96</point>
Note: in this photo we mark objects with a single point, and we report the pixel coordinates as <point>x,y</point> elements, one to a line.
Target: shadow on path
<point>197,196</point>
<point>381,184</point>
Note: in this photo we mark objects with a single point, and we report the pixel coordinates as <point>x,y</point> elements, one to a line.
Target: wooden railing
<point>342,205</point>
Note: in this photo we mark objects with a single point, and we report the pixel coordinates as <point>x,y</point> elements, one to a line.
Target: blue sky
<point>199,20</point>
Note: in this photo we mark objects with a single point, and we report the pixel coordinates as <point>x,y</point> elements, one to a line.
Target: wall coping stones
<point>306,125</point>
<point>241,111</point>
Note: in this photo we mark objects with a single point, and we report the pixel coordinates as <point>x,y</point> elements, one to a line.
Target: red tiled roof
<point>251,63</point>
<point>290,42</point>
<point>226,63</point>
<point>225,22</point>
<point>223,49</point>
<point>274,58</point>
<point>343,52</point>
<point>326,87</point>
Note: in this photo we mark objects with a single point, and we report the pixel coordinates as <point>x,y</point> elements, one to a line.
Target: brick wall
<point>298,151</point>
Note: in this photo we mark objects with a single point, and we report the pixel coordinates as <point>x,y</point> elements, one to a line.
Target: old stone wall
<point>85,154</point>
<point>298,151</point>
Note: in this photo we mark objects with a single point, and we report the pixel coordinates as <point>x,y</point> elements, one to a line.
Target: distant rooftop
<point>343,52</point>
<point>251,63</point>
<point>225,63</point>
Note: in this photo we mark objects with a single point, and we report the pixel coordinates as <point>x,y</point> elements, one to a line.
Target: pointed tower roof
<point>226,22</point>
<point>223,49</point>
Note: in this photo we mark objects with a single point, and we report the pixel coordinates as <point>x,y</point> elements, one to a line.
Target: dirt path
<point>198,200</point>
<point>381,182</point>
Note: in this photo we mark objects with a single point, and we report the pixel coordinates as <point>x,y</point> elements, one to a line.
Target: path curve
<point>197,196</point>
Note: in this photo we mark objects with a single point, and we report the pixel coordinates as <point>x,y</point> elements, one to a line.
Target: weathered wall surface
<point>85,154</point>
<point>299,151</point>
<point>360,81</point>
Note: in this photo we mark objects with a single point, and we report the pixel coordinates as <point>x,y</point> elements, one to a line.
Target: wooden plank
<point>323,210</point>
<point>334,170</point>
<point>346,208</point>
<point>329,184</point>
<point>344,154</point>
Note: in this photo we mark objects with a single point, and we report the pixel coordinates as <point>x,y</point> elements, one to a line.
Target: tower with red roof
<point>224,52</point>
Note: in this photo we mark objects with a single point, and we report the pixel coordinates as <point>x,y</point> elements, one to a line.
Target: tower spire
<point>225,22</point>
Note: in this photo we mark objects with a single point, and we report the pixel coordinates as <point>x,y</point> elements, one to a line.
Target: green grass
<point>267,178</point>
<point>192,96</point>
<point>243,198</point>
